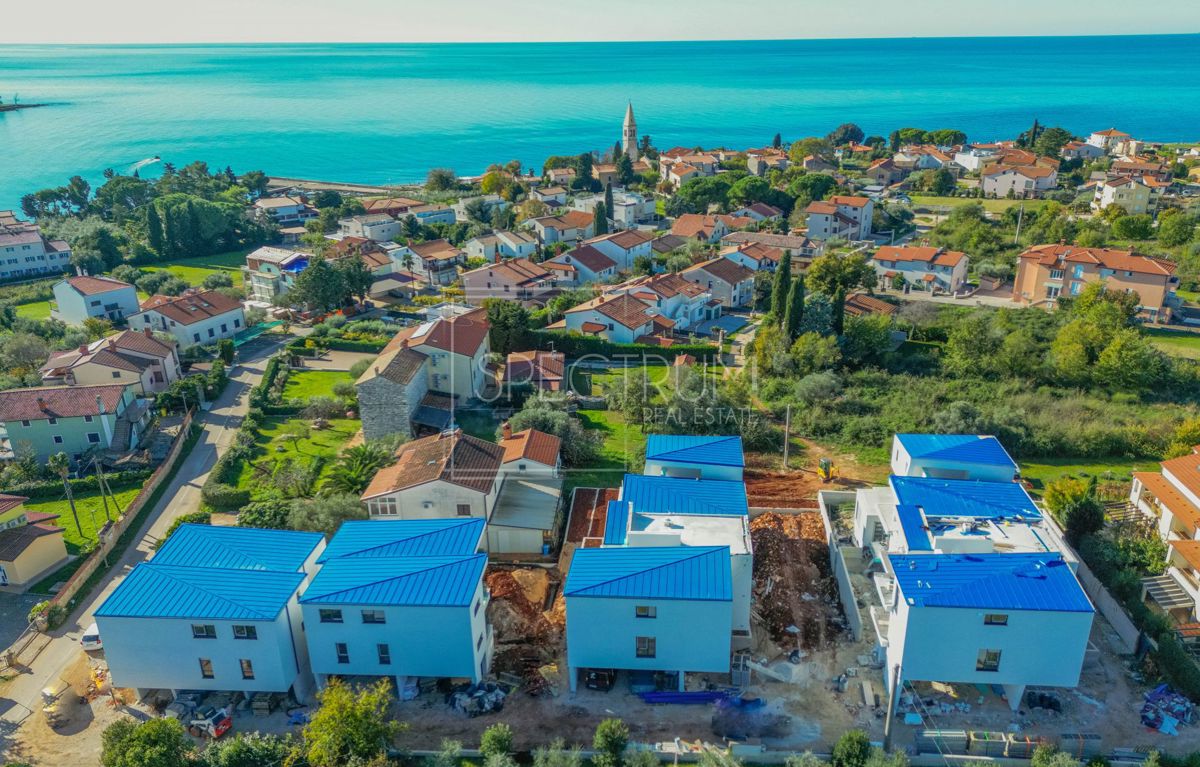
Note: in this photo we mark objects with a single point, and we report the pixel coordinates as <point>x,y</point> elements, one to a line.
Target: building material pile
<point>745,719</point>
<point>476,699</point>
<point>1166,709</point>
<point>794,590</point>
<point>527,636</point>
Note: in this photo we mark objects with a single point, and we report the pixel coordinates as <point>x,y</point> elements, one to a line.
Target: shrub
<point>271,513</point>
<point>324,407</point>
<point>497,740</point>
<point>851,750</point>
<point>224,497</point>
<point>576,345</point>
<point>609,742</point>
<point>360,367</point>
<point>53,612</point>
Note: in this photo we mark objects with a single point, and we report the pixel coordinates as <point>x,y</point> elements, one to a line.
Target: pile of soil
<point>782,489</point>
<point>516,608</point>
<point>793,582</point>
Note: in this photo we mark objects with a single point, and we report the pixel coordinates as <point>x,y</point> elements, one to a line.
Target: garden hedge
<point>576,345</point>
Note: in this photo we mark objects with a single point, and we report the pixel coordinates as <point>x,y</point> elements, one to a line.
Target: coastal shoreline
<point>15,107</point>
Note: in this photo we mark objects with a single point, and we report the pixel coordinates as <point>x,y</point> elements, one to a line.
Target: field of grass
<point>89,507</point>
<point>271,446</point>
<point>623,443</point>
<point>194,270</point>
<point>1043,471</point>
<point>38,310</point>
<point>1186,345</point>
<point>992,206</point>
<point>659,377</point>
<point>306,384</point>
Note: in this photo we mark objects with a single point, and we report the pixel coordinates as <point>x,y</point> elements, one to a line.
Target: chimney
<point>83,348</point>
<point>147,332</point>
<point>100,405</point>
<point>112,344</point>
<point>41,403</point>
<point>505,431</point>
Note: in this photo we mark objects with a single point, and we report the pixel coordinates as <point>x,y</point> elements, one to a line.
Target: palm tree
<point>61,465</point>
<point>356,466</point>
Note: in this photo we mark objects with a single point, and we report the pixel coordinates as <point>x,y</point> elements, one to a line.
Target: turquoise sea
<point>387,113</point>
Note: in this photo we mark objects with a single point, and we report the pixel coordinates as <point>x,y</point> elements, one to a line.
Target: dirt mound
<point>782,489</point>
<point>793,583</point>
<point>534,582</point>
<point>516,607</point>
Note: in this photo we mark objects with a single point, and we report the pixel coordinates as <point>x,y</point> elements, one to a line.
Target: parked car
<point>91,638</point>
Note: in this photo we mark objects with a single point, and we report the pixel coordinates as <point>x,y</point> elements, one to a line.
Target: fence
<point>1110,608</point>
<point>132,514</point>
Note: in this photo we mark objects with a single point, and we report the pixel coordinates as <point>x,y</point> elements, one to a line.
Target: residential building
<point>759,212</point>
<point>390,391</point>
<point>502,244</point>
<point>974,157</point>
<point>628,209</point>
<point>1081,150</point>
<point>45,420</point>
<point>1169,499</point>
<point>885,172</point>
<point>560,176</point>
<point>488,205</point>
<point>134,359</point>
<point>669,243</point>
<point>24,252</point>
<point>754,256</point>
<point>760,162</point>
<point>582,266</point>
<point>1132,194</point>
<point>456,349</point>
<point>729,282</point>
<point>194,317</point>
<point>801,249</point>
<point>524,518</point>
<point>31,545</point>
<point>284,211</point>
<point>706,228</point>
<point>952,456</point>
<point>400,600</point>
<point>1003,180</point>
<point>694,457</point>
<point>1046,271</point>
<point>436,261</point>
<point>553,196</point>
<point>841,216</point>
<point>1107,139</point>
<point>377,227</point>
<point>670,296</point>
<point>923,268</point>
<point>444,475</point>
<point>569,227</point>
<point>82,297</point>
<point>374,256</point>
<point>924,157</point>
<point>817,164</point>
<point>215,608</point>
<point>544,371</point>
<point>515,279</point>
<point>1140,167</point>
<point>623,247</point>
<point>396,207</point>
<point>435,213</point>
<point>619,318</point>
<point>964,573</point>
<point>271,272</point>
<point>860,304</point>
<point>679,165</point>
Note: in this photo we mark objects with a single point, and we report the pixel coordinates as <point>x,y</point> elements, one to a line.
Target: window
<point>52,421</point>
<point>211,332</point>
<point>645,611</point>
<point>87,419</point>
<point>206,671</point>
<point>57,440</point>
<point>24,423</point>
<point>478,604</point>
<point>343,654</point>
<point>520,467</point>
<point>116,374</point>
<point>385,654</point>
<point>247,668</point>
<point>464,509</point>
<point>645,647</point>
<point>245,632</point>
<point>384,507</point>
<point>995,619</point>
<point>204,631</point>
<point>196,337</point>
<point>479,642</point>
<point>93,437</point>
<point>373,616</point>
<point>331,616</point>
<point>224,328</point>
<point>988,660</point>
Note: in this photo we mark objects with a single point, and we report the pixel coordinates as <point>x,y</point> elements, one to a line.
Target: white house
<point>623,247</point>
<point>1135,195</point>
<point>754,256</point>
<point>128,357</point>
<point>432,213</point>
<point>729,282</point>
<point>758,211</point>
<point>193,317</point>
<point>24,252</point>
<point>581,266</point>
<point>694,457</point>
<point>272,271</point>
<point>628,209</point>
<point>673,298</point>
<point>523,522</point>
<point>377,227</point>
<point>501,244</point>
<point>457,348</point>
<point>284,211</point>
<point>619,318</point>
<point>570,227</point>
<point>974,157</point>
<point>553,196</point>
<point>1170,500</point>
<point>952,456</point>
<point>400,599</point>
<point>841,216</point>
<point>1081,150</point>
<point>649,609</point>
<point>923,268</point>
<point>79,298</point>
<point>1107,139</point>
<point>216,608</point>
<point>436,477</point>
<point>435,260</point>
<point>1001,180</point>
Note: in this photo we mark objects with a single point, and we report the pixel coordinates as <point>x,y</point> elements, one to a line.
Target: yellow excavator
<point>826,470</point>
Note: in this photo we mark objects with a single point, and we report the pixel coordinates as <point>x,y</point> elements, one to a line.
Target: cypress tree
<point>195,243</point>
<point>154,229</point>
<point>795,309</point>
<point>170,233</point>
<point>779,290</point>
<point>608,198</point>
<point>777,141</point>
<point>600,220</point>
<point>839,311</point>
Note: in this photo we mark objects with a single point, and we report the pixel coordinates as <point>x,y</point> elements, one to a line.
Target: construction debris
<point>794,590</point>
<point>1166,709</point>
<point>476,699</point>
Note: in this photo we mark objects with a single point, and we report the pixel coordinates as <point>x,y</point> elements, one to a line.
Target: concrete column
<point>1014,692</point>
<point>573,678</point>
<point>682,680</point>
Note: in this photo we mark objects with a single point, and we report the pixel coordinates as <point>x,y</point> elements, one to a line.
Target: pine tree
<point>617,150</point>
<point>600,220</point>
<point>839,311</point>
<point>154,229</point>
<point>779,290</point>
<point>795,309</point>
<point>195,242</point>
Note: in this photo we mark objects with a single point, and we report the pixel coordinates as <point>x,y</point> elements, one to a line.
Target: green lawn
<point>1189,296</point>
<point>90,509</point>
<point>194,270</point>
<point>306,384</point>
<point>992,206</point>
<point>270,447</point>
<point>38,310</point>
<point>658,375</point>
<point>1041,472</point>
<point>1185,345</point>
<point>622,444</point>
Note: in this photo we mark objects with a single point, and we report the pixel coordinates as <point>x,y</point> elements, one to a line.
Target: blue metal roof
<point>406,581</point>
<point>964,498</point>
<point>913,525</point>
<point>671,495</point>
<point>675,572</point>
<point>714,451</point>
<point>966,448</point>
<point>237,548</point>
<point>405,537</point>
<point>989,581</point>
<point>616,523</point>
<point>170,591</point>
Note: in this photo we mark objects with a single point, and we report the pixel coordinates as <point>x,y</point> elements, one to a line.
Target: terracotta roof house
<point>708,228</point>
<point>82,297</point>
<point>543,370</point>
<point>859,304</point>
<point>759,211</point>
<point>999,179</point>
<point>618,318</point>
<point>583,265</point>
<point>800,248</point>
<point>25,252</point>
<point>45,420</point>
<point>1044,272</point>
<point>437,261</point>
<point>136,359</point>
<point>667,243</point>
<point>755,256</point>
<point>841,216</point>
<point>729,282</point>
<point>623,247</point>
<point>570,227</point>
<point>515,279</point>
<point>194,317</point>
<point>922,267</point>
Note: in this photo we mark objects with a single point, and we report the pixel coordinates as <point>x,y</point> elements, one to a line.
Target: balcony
<point>880,620</point>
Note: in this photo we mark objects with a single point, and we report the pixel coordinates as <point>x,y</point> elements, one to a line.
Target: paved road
<point>220,424</point>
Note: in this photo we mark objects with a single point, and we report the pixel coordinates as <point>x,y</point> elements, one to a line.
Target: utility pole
<point>787,435</point>
<point>893,701</point>
<point>1020,218</point>
<point>102,485</point>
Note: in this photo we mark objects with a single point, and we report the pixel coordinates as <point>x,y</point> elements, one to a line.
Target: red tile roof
<point>1117,260</point>
<point>723,269</point>
<point>15,540</point>
<point>192,306</point>
<point>90,286</point>
<point>454,457</point>
<point>532,445</point>
<point>10,502</point>
<point>43,402</point>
